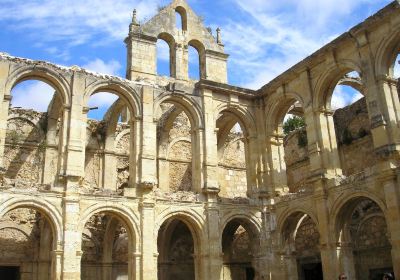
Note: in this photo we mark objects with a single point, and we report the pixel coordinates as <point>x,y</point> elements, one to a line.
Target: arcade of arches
<point>185,179</point>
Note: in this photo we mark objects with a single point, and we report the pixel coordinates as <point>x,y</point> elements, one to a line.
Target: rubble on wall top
<point>74,68</point>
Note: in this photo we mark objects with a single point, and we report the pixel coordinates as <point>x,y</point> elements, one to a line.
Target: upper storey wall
<point>142,51</point>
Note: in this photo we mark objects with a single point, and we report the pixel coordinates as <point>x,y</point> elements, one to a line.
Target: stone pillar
<point>181,61</point>
<point>390,182</point>
<point>149,241</point>
<point>210,166</point>
<point>252,160</point>
<point>135,271</point>
<point>292,271</point>
<point>214,248</point>
<point>109,171</point>
<point>76,126</point>
<point>5,99</point>
<point>56,263</point>
<point>326,249</point>
<point>322,146</point>
<point>384,110</point>
<point>146,145</point>
<point>71,262</point>
<point>5,104</point>
<point>277,164</point>
<point>345,260</point>
<point>197,159</point>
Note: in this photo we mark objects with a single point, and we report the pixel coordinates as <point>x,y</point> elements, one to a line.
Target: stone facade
<point>188,179</point>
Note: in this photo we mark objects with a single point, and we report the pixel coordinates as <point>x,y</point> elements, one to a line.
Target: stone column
<point>4,106</point>
<point>210,166</point>
<point>252,161</point>
<point>109,171</point>
<point>56,263</point>
<point>345,260</point>
<point>214,246</point>
<point>278,176</point>
<point>135,271</point>
<point>74,135</point>
<point>146,146</point>
<point>326,249</point>
<point>149,240</point>
<point>180,62</point>
<point>384,111</point>
<point>197,159</point>
<point>5,99</point>
<point>390,182</point>
<point>71,261</point>
<point>322,146</point>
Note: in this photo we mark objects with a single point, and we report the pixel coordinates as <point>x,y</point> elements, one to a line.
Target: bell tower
<point>142,45</point>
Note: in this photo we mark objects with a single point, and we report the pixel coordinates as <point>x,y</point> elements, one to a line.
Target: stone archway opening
<point>364,250</point>
<point>301,247</point>
<point>106,247</point>
<point>33,136</point>
<point>176,250</point>
<point>238,247</point>
<point>109,144</point>
<point>291,135</point>
<point>233,156</point>
<point>26,245</point>
<point>176,144</point>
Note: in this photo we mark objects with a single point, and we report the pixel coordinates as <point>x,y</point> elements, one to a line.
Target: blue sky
<point>90,33</point>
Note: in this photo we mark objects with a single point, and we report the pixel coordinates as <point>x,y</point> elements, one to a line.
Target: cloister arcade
<point>185,179</point>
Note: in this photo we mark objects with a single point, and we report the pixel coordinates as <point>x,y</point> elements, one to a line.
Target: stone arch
<point>125,92</point>
<point>240,242</point>
<point>279,107</point>
<point>191,222</point>
<point>327,82</point>
<point>192,219</point>
<point>360,230</point>
<point>176,140</point>
<point>386,54</point>
<point>339,205</point>
<point>240,169</point>
<point>244,117</point>
<point>282,220</point>
<point>249,221</point>
<point>111,119</point>
<point>190,106</point>
<point>286,149</point>
<point>127,216</point>
<point>23,229</point>
<point>299,241</point>
<point>48,210</point>
<point>43,74</point>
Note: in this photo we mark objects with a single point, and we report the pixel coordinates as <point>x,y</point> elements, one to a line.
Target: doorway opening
<point>9,272</point>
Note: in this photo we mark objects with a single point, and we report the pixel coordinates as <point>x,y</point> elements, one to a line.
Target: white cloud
<point>34,95</point>
<point>102,99</point>
<point>75,22</point>
<point>344,96</point>
<point>99,66</point>
<point>278,34</point>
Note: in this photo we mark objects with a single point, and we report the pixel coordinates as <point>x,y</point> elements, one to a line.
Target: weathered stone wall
<point>232,176</point>
<point>25,147</point>
<point>354,140</point>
